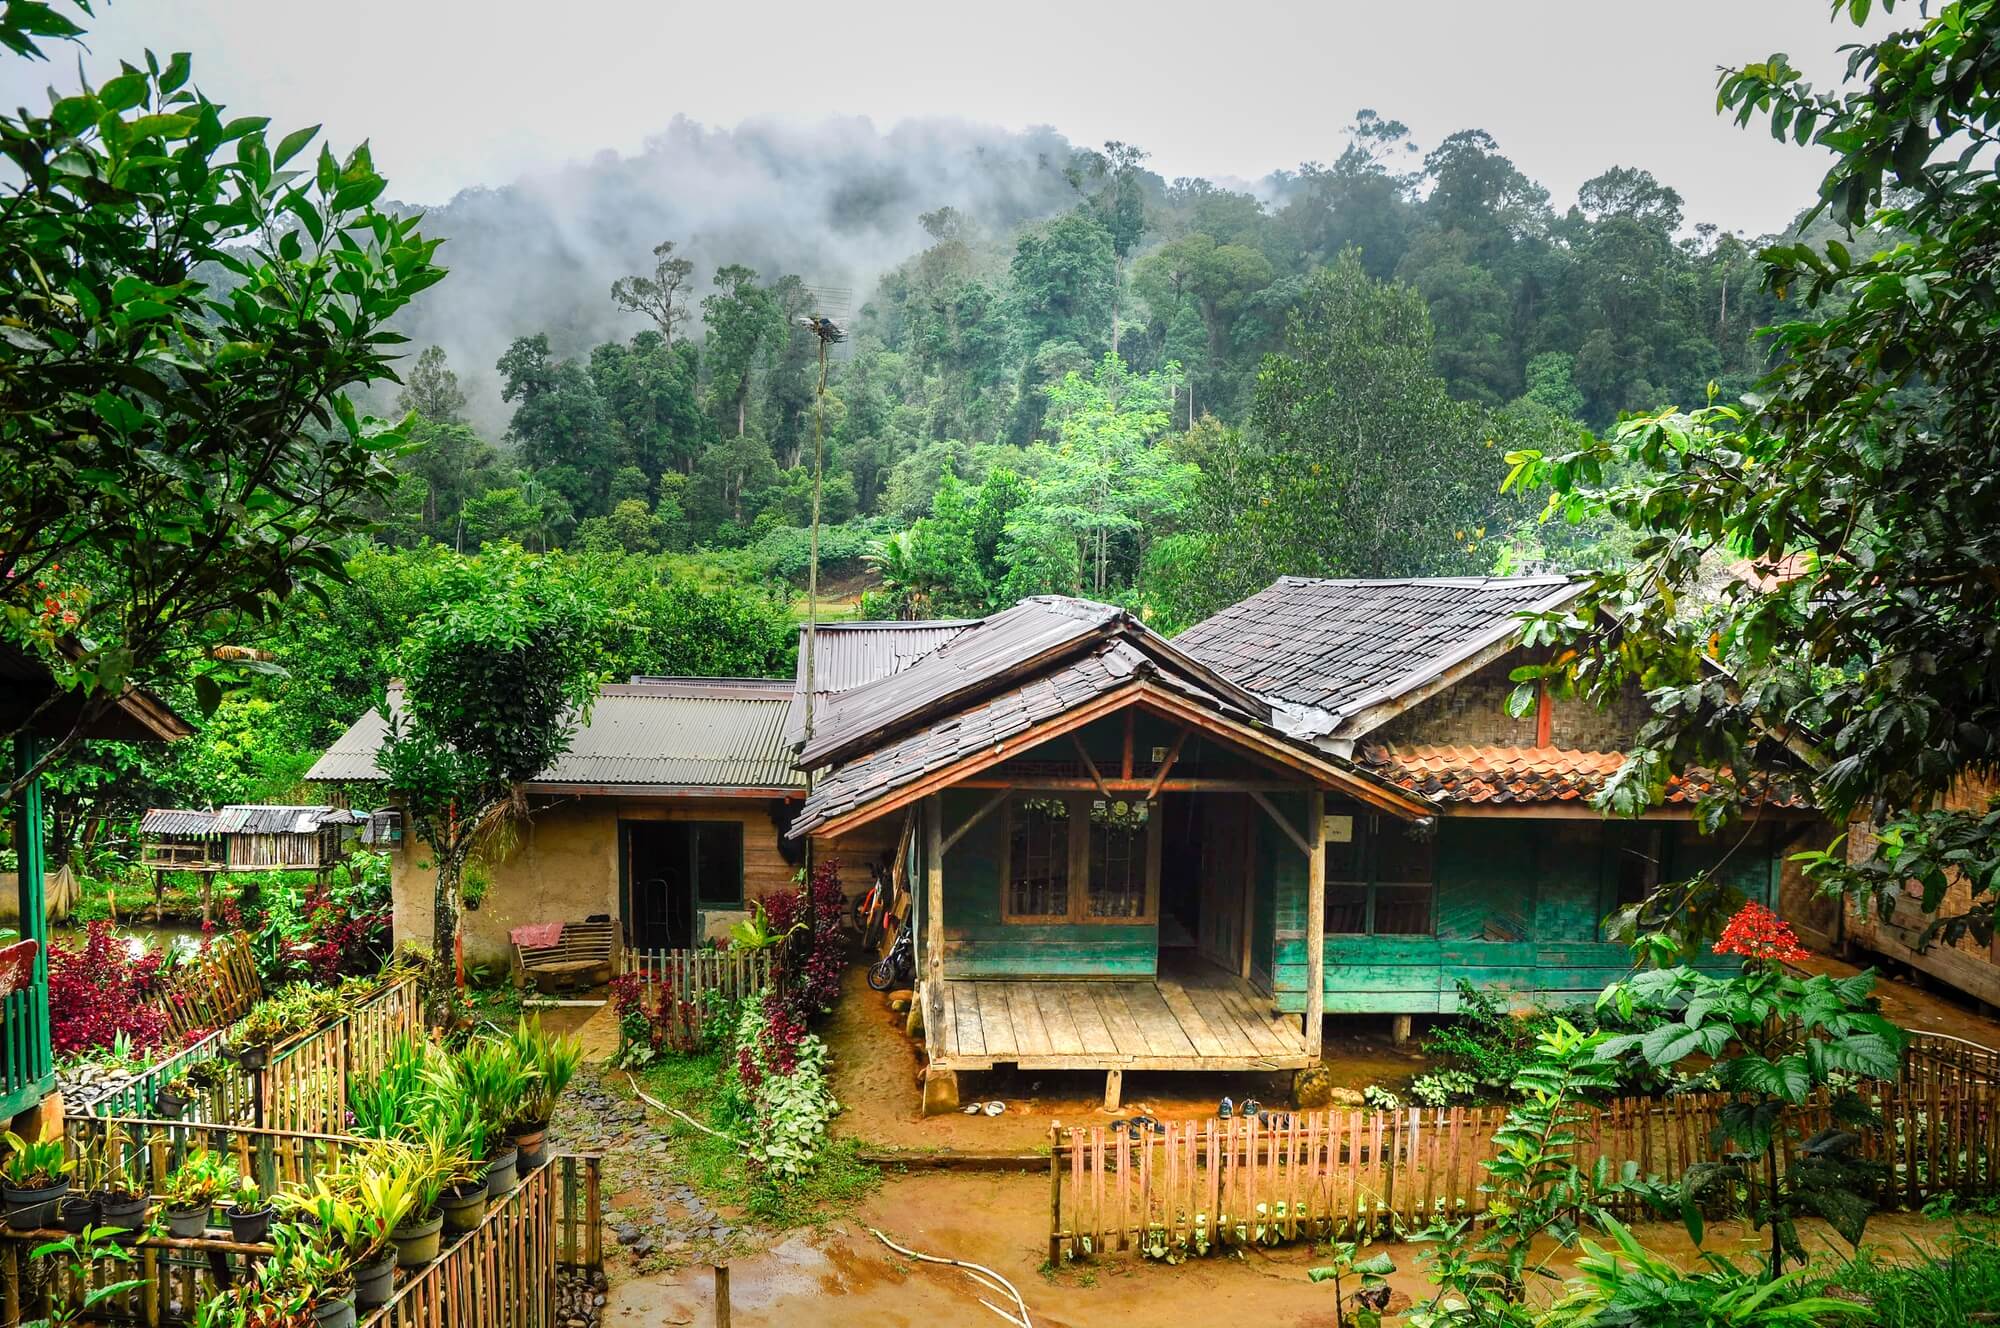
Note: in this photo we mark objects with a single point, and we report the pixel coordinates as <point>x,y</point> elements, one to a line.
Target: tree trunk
<point>443,978</point>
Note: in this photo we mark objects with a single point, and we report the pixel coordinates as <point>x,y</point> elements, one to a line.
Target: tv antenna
<point>827,333</point>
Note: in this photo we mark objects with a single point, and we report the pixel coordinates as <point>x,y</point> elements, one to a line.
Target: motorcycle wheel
<point>882,974</point>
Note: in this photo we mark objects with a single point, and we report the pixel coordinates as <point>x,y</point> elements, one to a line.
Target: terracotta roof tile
<point>1453,773</point>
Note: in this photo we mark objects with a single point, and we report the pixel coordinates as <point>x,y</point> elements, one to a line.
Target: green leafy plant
<point>1626,1286</point>
<point>33,1166</point>
<point>1778,1039</point>
<point>201,1181</point>
<point>1371,1297</point>
<point>551,1061</point>
<point>756,932</point>
<point>89,1256</point>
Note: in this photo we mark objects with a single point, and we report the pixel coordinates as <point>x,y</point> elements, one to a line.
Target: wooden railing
<point>211,990</point>
<point>304,1086</point>
<point>27,1066</point>
<point>146,1151</point>
<point>733,974</point>
<point>1210,1184</point>
<point>1952,1060</point>
<point>499,1275</point>
<point>174,1276</point>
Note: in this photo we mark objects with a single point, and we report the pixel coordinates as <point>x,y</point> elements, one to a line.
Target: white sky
<point>455,93</point>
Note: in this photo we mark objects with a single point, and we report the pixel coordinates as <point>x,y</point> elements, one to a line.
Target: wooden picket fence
<point>691,974</point>
<point>1194,1186</point>
<point>499,1275</point>
<point>1952,1060</point>
<point>145,1152</point>
<point>580,1211</point>
<point>303,1088</point>
<point>210,990</point>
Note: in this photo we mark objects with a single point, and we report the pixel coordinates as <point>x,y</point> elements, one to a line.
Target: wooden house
<point>1134,853</point>
<point>247,837</point>
<point>31,703</point>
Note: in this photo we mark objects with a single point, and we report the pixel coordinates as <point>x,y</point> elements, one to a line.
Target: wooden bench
<point>582,958</point>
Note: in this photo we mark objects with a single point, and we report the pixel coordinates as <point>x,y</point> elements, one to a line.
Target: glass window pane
<point>1118,859</point>
<point>1346,909</point>
<point>1402,910</point>
<point>1038,858</point>
<point>718,862</point>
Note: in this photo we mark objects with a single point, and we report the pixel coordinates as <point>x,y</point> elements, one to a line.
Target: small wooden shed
<point>247,837</point>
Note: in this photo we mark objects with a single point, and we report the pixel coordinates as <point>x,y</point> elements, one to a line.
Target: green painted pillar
<point>29,1062</point>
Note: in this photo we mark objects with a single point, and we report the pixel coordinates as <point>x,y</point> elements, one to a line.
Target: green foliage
<point>1855,483</point>
<point>1369,1296</point>
<point>1777,1040</point>
<point>1626,1286</point>
<point>190,303</point>
<point>31,1166</point>
<point>1957,1283</point>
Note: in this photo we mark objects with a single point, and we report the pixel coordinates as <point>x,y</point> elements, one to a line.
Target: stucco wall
<point>563,866</point>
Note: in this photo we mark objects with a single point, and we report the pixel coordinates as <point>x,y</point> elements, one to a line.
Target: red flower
<point>1758,933</point>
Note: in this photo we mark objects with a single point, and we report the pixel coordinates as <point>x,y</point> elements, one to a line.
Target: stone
<point>1312,1087</point>
<point>1345,1097</point>
<point>940,1090</point>
<point>899,1001</point>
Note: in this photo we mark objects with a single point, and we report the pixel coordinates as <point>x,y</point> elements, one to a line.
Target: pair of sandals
<point>1251,1109</point>
<point>1138,1125</point>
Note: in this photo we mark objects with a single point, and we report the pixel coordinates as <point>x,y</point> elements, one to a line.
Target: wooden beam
<point>933,816</point>
<point>1271,810</point>
<point>1113,787</point>
<point>984,809</point>
<point>1088,764</point>
<point>1315,921</point>
<point>1125,767</point>
<point>1166,767</point>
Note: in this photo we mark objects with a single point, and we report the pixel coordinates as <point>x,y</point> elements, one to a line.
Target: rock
<point>628,1235</point>
<point>1344,1097</point>
<point>1313,1087</point>
<point>643,1248</point>
<point>899,1001</point>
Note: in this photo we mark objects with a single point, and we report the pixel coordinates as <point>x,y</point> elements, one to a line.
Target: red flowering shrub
<point>98,990</point>
<point>654,1018</point>
<point>826,903</point>
<point>1758,933</point>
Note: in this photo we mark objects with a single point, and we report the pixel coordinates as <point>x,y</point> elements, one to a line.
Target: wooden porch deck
<point>1192,1018</point>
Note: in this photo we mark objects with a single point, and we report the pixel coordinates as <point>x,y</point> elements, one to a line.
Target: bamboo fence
<point>211,990</point>
<point>690,974</point>
<point>1193,1186</point>
<point>500,1275</point>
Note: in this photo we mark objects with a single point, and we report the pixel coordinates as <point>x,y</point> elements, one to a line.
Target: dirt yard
<point>841,1276</point>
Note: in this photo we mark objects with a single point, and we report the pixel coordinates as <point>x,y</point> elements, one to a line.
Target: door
<point>1224,855</point>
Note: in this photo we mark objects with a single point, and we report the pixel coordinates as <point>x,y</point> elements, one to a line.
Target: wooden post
<point>1315,921</point>
<point>722,1295</point>
<point>933,906</point>
<point>1055,1195</point>
<point>1114,1088</point>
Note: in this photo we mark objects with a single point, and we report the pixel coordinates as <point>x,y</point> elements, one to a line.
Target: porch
<point>1192,1016</point>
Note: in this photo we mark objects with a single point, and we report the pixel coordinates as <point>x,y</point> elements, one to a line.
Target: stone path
<point>652,1218</point>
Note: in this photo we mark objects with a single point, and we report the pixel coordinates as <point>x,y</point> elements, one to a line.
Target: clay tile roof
<point>1476,774</point>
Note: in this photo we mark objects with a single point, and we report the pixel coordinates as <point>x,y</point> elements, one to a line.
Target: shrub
<point>782,1087</point>
<point>99,991</point>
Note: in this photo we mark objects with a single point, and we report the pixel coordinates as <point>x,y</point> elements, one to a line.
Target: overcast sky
<point>455,93</point>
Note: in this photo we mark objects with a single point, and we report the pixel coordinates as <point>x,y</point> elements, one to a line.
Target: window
<point>1038,858</point>
<point>1118,867</point>
<point>1109,846</point>
<point>716,850</point>
<point>1380,879</point>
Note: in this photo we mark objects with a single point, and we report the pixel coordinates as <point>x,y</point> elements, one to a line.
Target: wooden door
<point>1225,858</point>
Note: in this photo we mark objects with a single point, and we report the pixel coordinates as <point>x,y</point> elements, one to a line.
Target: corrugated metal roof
<point>987,657</point>
<point>847,655</point>
<point>179,822</point>
<point>663,732</point>
<point>1338,647</point>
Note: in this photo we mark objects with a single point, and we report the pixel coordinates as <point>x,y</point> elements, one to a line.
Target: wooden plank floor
<point>1197,1019</point>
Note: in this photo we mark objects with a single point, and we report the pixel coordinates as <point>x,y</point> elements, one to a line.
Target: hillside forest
<point>1160,393</point>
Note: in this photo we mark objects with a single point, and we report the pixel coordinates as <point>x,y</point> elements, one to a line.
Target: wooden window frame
<point>1367,823</point>
<point>695,828</point>
<point>1079,913</point>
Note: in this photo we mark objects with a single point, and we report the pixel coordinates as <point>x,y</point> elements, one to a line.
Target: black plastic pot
<point>533,1143</point>
<point>375,1282</point>
<point>249,1226</point>
<point>32,1209</point>
<point>463,1206</point>
<point>501,1175</point>
<point>127,1212</point>
<point>417,1242</point>
<point>169,1105</point>
<point>74,1212</point>
<point>255,1058</point>
<point>187,1223</point>
<point>339,1313</point>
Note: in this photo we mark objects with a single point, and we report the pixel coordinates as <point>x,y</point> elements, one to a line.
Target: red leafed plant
<point>1758,933</point>
<point>98,990</point>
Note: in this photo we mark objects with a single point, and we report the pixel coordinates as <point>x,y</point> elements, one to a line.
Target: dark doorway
<point>1180,872</point>
<point>672,870</point>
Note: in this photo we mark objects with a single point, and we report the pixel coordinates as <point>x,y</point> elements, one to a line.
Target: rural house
<point>1129,852</point>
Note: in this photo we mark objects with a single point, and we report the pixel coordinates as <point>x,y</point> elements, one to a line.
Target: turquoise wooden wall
<point>1520,907</point>
<point>979,945</point>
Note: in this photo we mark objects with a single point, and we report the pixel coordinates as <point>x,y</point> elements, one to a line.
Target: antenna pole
<point>812,548</point>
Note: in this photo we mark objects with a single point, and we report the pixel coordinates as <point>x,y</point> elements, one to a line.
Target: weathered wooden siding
<point>1520,907</point>
<point>979,945</point>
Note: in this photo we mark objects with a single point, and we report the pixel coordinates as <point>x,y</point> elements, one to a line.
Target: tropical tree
<point>1851,497</point>
<point>658,296</point>
<point>495,683</point>
<point>188,303</point>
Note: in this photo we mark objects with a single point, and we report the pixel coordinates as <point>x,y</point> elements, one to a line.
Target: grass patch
<point>1924,1290</point>
<point>717,1169</point>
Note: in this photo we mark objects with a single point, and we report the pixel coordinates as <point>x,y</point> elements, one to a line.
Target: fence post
<point>1055,1195</point>
<point>722,1295</point>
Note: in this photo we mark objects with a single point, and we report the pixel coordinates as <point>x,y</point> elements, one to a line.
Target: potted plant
<point>551,1062</point>
<point>77,1211</point>
<point>250,1214</point>
<point>351,1214</point>
<point>309,1272</point>
<point>120,1204</point>
<point>461,1131</point>
<point>431,1163</point>
<point>191,1193</point>
<point>495,1083</point>
<point>171,1099</point>
<point>205,1076</point>
<point>33,1178</point>
<point>384,1199</point>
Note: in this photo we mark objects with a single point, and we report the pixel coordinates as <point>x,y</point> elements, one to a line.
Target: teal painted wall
<point>1520,907</point>
<point>979,945</point>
